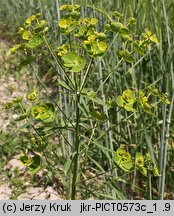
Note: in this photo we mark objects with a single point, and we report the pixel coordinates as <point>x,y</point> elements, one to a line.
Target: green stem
<point>109,74</point>
<point>86,76</point>
<point>165,147</point>
<point>77,149</point>
<point>149,186</point>
<point>166,119</point>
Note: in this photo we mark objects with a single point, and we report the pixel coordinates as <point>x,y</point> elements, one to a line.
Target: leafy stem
<point>56,60</point>
<point>76,147</point>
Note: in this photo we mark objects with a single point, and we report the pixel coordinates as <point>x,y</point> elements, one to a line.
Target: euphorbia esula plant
<point>84,42</point>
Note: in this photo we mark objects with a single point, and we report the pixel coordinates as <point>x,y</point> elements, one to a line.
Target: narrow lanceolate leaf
<point>21,117</point>
<point>41,147</point>
<point>75,62</point>
<point>64,85</point>
<point>68,163</point>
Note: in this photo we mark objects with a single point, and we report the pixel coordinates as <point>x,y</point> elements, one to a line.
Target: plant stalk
<point>77,148</point>
<point>149,186</point>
